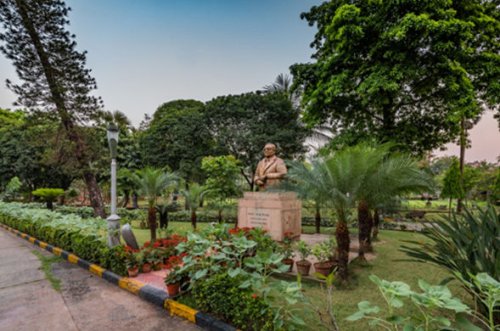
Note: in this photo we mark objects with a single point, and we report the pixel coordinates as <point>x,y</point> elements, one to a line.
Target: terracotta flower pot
<point>324,268</point>
<point>146,267</point>
<point>157,266</point>
<point>133,272</point>
<point>289,263</point>
<point>303,267</point>
<point>173,289</point>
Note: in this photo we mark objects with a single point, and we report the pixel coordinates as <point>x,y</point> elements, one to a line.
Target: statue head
<point>269,150</point>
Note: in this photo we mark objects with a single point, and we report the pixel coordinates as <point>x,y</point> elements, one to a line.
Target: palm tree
<point>331,180</point>
<point>303,179</point>
<point>385,177</point>
<point>151,182</point>
<point>194,198</point>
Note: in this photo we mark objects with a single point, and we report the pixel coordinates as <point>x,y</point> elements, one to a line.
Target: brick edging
<point>144,291</point>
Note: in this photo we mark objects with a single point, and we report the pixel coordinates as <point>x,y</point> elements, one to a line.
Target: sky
<point>144,53</point>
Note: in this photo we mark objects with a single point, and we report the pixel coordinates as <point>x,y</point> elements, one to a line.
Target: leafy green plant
<point>222,296</point>
<point>174,276</point>
<point>486,290</point>
<point>430,303</point>
<point>322,251</point>
<point>85,238</point>
<point>465,245</point>
<point>304,250</point>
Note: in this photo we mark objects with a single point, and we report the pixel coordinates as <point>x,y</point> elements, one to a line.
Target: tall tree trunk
<point>220,216</point>
<point>94,194</point>
<point>126,199</point>
<point>152,222</point>
<point>376,224</point>
<point>66,120</point>
<point>193,219</point>
<point>343,243</point>
<point>365,224</point>
<point>135,201</point>
<point>317,218</point>
<point>463,143</point>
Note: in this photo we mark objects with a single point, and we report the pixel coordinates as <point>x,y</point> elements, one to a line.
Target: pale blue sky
<point>144,53</point>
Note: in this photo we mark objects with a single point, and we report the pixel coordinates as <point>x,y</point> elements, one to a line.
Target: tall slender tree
<point>52,71</point>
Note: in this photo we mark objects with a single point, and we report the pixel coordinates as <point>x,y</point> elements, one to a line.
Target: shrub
<point>222,296</point>
<point>87,238</point>
<point>465,245</point>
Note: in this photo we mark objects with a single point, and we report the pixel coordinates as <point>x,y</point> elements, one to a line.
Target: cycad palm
<point>194,196</point>
<point>385,176</point>
<point>152,182</point>
<point>304,179</point>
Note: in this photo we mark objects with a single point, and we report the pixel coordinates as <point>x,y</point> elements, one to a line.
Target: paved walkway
<point>85,302</point>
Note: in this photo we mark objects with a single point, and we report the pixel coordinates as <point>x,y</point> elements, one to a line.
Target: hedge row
<point>203,216</point>
<point>85,237</point>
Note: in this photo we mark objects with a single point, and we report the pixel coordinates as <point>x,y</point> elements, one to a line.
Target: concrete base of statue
<point>277,213</point>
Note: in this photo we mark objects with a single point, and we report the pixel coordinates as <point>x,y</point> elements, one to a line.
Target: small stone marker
<point>129,237</point>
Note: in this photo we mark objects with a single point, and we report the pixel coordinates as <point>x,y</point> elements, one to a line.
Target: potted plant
<point>303,265</point>
<point>132,264</point>
<point>144,261</point>
<point>323,253</point>
<point>287,251</point>
<point>173,281</point>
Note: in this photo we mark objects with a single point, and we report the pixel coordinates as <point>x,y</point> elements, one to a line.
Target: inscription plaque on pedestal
<point>275,212</point>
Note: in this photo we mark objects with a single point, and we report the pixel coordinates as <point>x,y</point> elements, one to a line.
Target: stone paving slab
<point>86,302</point>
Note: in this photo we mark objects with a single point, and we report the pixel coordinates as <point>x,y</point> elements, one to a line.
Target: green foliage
<point>222,296</point>
<point>304,250</point>
<point>152,182</point>
<point>323,251</point>
<point>402,71</point>
<point>48,194</point>
<point>177,137</point>
<point>12,188</point>
<point>222,174</point>
<point>465,245</point>
<point>487,291</point>
<point>242,124</point>
<point>430,302</point>
<point>86,238</point>
<point>214,252</point>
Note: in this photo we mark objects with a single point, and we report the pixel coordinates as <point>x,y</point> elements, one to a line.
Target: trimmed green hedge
<point>85,237</point>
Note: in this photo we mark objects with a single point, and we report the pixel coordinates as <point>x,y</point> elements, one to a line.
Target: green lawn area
<point>388,265</point>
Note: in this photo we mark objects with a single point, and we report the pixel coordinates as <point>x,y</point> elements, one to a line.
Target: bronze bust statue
<point>271,169</point>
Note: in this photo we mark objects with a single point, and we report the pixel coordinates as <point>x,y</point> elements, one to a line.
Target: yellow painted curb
<point>72,258</point>
<point>42,244</point>
<point>180,310</point>
<point>96,270</point>
<point>57,251</point>
<point>32,240</point>
<point>131,285</point>
<point>23,235</point>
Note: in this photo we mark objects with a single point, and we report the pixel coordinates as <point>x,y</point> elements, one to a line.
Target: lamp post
<point>113,219</point>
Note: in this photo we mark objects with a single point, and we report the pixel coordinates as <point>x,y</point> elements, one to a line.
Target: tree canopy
<point>405,71</point>
<point>178,137</point>
<point>242,124</point>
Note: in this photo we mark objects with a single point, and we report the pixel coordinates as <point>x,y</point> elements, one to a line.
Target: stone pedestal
<point>277,213</point>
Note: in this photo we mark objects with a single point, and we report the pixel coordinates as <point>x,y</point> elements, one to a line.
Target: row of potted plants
<point>156,256</point>
<point>322,251</point>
